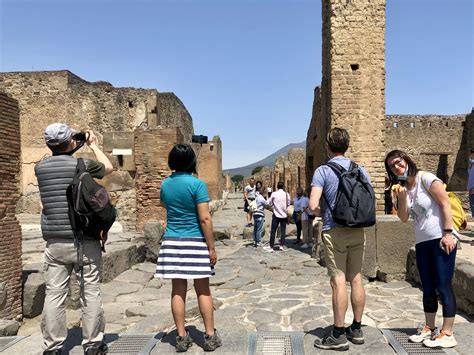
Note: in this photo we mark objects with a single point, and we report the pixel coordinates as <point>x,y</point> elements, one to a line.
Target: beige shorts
<point>344,248</point>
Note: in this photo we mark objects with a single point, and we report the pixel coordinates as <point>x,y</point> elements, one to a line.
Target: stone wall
<point>61,96</point>
<point>436,143</point>
<point>291,171</point>
<point>209,166</point>
<point>10,231</point>
<point>353,83</point>
<point>151,159</point>
<point>172,112</point>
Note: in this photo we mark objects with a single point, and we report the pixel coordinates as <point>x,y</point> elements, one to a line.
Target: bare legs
<point>448,322</point>
<point>340,299</point>
<point>178,304</point>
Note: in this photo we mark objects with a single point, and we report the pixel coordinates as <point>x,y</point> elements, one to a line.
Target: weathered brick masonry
<point>151,157</point>
<point>10,232</point>
<point>353,83</point>
<point>61,96</point>
<point>209,166</point>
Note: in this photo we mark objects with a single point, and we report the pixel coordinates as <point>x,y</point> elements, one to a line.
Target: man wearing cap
<point>54,175</point>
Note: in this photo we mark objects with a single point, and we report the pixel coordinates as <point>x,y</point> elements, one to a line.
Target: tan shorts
<point>344,248</point>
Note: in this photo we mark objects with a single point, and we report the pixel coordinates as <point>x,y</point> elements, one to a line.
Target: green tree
<point>237,178</point>
<point>257,170</point>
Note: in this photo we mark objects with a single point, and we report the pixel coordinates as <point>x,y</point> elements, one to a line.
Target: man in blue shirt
<point>343,246</point>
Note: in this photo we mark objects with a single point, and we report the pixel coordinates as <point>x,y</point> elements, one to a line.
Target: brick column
<point>209,166</point>
<point>151,161</point>
<point>353,84</point>
<point>10,231</point>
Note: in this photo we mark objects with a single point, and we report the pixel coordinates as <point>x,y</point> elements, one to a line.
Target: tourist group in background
<point>188,253</point>
<point>278,202</point>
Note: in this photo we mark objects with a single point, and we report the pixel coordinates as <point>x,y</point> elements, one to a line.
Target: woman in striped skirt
<point>187,250</point>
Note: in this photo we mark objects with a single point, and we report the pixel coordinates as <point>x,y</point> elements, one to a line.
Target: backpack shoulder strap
<point>336,168</point>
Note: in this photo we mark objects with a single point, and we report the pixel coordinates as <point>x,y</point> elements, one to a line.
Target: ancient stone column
<point>353,84</point>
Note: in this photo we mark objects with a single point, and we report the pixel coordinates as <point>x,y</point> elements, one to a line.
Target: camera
<point>80,136</point>
<point>199,139</point>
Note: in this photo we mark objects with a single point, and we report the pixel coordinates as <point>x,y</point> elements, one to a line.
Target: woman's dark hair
<point>182,158</point>
<point>259,183</point>
<point>412,168</point>
<point>338,140</point>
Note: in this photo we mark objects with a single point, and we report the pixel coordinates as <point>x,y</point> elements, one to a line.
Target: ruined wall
<point>315,138</point>
<point>172,112</point>
<point>434,142</point>
<point>61,96</point>
<point>209,166</point>
<point>10,231</point>
<point>151,156</point>
<point>353,83</point>
<point>265,176</point>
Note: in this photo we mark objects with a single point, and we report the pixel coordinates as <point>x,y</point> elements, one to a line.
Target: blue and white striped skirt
<point>184,258</point>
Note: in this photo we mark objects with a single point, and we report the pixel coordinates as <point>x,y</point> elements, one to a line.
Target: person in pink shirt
<point>279,200</point>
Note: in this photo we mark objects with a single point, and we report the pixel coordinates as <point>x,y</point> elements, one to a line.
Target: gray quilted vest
<point>54,175</point>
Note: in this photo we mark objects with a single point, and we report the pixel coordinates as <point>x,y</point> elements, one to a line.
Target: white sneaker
<point>304,246</point>
<point>423,332</point>
<point>442,340</point>
<point>268,248</point>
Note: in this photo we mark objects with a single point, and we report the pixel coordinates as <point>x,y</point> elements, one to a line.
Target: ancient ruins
<point>254,291</point>
<point>352,95</point>
<point>136,127</point>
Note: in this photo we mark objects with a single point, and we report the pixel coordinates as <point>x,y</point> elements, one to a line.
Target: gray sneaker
<point>212,342</point>
<point>330,342</point>
<point>356,336</point>
<point>183,343</point>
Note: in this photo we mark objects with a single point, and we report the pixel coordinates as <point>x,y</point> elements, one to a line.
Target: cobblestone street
<point>254,290</point>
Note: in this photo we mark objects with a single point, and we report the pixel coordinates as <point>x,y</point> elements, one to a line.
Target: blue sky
<point>245,69</point>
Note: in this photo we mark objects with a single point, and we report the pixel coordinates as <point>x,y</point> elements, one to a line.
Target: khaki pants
<point>60,258</point>
<point>307,226</point>
<point>344,249</point>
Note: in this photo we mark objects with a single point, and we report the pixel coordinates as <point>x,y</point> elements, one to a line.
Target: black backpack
<point>90,212</point>
<point>355,198</point>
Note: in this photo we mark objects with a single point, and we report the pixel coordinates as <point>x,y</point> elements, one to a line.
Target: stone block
<point>117,181</point>
<point>463,286</point>
<point>3,295</point>
<point>34,289</point>
<point>8,327</point>
<point>248,232</point>
<point>153,231</point>
<point>369,266</point>
<point>121,257</point>
<point>393,241</point>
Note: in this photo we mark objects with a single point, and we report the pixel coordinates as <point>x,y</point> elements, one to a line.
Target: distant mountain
<point>268,161</point>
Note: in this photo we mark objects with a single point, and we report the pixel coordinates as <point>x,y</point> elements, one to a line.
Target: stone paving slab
<point>253,290</point>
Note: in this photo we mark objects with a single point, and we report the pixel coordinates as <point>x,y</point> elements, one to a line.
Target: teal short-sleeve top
<point>181,193</point>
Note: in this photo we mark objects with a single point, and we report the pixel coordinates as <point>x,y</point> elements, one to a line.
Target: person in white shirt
<point>249,196</point>
<point>259,217</point>
<point>279,200</point>
<point>423,198</point>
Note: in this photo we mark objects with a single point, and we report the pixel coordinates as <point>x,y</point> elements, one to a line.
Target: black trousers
<point>275,222</point>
